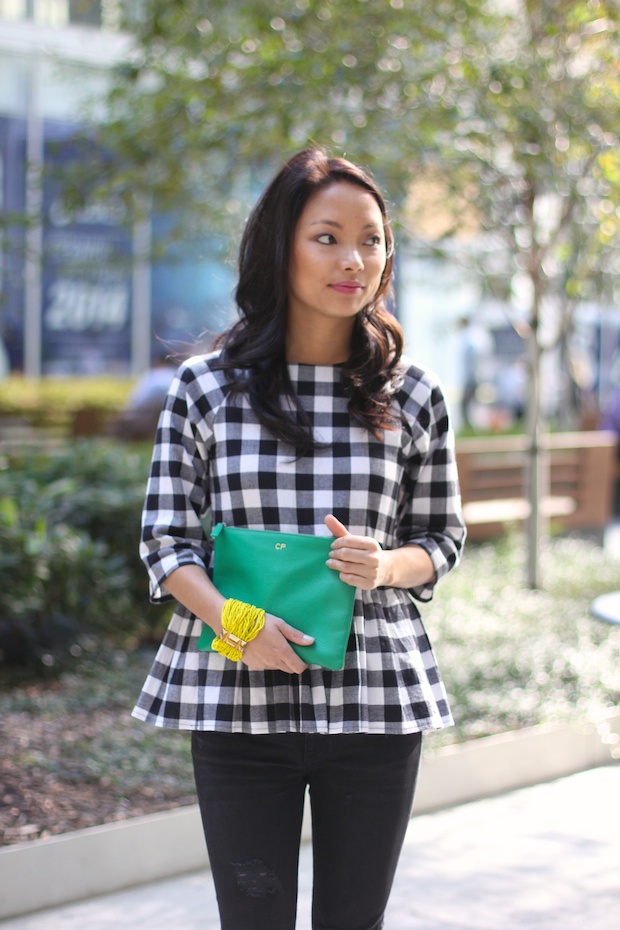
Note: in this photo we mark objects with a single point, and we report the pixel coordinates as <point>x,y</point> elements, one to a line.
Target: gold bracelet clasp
<point>231,640</point>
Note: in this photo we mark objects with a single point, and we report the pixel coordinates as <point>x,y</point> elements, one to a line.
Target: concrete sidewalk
<point>539,858</point>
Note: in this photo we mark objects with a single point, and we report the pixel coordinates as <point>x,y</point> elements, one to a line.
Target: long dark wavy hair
<point>256,343</point>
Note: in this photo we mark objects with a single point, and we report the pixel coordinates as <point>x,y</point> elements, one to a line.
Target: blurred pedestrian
<point>476,352</point>
<point>138,418</point>
<point>610,420</point>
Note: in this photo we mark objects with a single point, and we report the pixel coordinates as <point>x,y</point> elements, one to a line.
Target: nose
<point>351,259</point>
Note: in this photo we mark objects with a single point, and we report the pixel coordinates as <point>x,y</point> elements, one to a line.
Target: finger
<point>296,667</point>
<point>358,556</point>
<point>295,636</point>
<point>359,560</point>
<point>354,546</point>
<point>355,581</point>
<point>335,527</point>
<point>358,574</point>
<point>293,663</point>
<point>288,661</point>
<point>344,563</point>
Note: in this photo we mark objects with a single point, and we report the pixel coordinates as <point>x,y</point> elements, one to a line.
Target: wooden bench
<point>18,435</point>
<point>493,476</point>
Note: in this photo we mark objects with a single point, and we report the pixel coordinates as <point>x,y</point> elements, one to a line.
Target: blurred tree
<point>509,109</point>
<point>534,162</point>
<point>213,93</point>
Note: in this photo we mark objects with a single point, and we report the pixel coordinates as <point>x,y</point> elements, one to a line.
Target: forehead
<point>342,201</point>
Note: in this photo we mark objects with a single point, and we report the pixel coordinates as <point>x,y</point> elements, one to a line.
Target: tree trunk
<point>534,459</point>
<point>534,468</point>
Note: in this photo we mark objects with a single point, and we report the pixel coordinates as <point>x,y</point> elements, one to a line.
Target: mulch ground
<point>40,796</point>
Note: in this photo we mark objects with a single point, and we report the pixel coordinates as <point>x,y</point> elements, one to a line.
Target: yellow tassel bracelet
<point>241,623</point>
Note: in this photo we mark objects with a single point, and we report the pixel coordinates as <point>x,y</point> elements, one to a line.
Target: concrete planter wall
<point>46,873</point>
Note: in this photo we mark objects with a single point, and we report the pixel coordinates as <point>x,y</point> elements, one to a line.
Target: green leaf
<point>9,511</point>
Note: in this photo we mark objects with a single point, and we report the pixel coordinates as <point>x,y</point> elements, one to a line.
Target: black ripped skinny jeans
<point>251,795</point>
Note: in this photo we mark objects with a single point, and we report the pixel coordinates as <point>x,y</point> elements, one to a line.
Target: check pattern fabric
<point>214,462</point>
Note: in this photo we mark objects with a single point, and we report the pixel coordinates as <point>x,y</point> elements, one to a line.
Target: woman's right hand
<point>192,587</point>
<point>271,649</point>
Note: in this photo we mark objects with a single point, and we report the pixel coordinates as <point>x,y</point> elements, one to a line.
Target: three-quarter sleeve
<point>430,513</point>
<point>177,496</point>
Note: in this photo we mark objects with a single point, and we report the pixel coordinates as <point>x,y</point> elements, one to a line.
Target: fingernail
<point>308,639</point>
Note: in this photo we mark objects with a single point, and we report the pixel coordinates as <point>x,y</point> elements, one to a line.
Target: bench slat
<point>515,509</point>
<point>493,476</point>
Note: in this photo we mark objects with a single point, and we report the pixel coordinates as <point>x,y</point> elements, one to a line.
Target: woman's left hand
<point>360,559</point>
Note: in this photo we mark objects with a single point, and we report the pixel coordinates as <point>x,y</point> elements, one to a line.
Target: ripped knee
<point>255,879</point>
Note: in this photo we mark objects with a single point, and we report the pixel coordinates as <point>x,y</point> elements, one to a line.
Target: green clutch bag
<point>286,575</point>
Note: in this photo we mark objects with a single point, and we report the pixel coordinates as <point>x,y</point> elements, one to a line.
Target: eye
<point>325,239</point>
<point>373,240</point>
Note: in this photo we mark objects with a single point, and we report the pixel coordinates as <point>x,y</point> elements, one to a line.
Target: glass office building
<point>75,295</point>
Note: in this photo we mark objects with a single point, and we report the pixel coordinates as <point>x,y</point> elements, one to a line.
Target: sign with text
<point>87,282</point>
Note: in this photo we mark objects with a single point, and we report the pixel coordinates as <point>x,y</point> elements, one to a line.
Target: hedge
<point>69,565</point>
<point>53,402</point>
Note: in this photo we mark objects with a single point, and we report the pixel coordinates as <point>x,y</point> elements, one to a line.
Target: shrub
<point>69,564</point>
<point>97,488</point>
<point>54,584</point>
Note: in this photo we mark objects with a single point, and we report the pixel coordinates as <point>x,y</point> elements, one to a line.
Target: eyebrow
<point>339,225</point>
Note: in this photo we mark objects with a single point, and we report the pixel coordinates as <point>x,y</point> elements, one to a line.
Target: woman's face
<point>338,255</point>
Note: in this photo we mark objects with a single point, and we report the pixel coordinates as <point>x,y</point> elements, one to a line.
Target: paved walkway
<point>611,539</point>
<point>541,858</point>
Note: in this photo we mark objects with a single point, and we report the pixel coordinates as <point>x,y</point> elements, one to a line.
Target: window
<point>62,12</point>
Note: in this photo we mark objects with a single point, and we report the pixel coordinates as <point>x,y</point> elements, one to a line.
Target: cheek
<point>378,269</point>
<point>298,270</point>
<point>303,261</point>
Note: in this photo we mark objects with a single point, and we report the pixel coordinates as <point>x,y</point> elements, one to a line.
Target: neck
<point>319,348</point>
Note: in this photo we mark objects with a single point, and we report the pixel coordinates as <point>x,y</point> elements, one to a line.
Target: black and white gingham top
<point>212,454</point>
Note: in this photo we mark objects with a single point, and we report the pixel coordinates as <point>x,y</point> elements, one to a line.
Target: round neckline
<point>317,364</point>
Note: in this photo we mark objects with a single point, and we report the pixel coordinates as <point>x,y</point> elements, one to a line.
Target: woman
<point>305,419</point>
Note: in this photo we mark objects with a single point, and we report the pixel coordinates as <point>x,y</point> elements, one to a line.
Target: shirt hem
<point>267,729</point>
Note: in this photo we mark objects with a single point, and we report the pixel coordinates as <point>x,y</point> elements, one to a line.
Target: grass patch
<point>512,657</point>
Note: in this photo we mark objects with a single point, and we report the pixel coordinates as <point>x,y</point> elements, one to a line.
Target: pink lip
<point>347,287</point>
